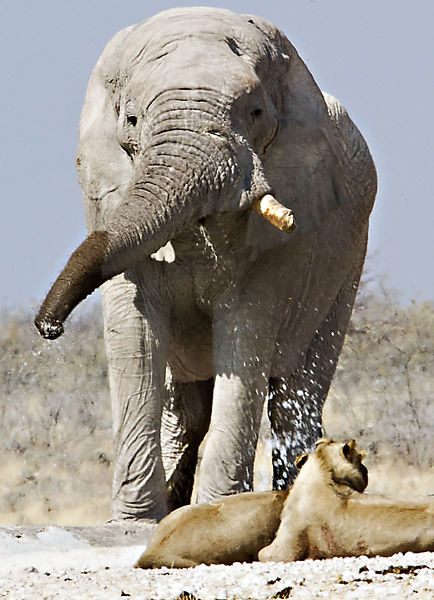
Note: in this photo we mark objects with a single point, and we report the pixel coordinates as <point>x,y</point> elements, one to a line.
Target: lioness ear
<point>348,448</point>
<point>364,472</point>
<point>300,460</point>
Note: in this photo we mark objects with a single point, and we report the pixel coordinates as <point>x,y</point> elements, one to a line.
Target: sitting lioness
<point>326,514</point>
<point>229,530</point>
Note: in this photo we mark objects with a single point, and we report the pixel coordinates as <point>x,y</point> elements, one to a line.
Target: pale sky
<point>375,56</point>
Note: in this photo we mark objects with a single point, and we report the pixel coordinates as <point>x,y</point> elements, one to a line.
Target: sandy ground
<point>96,563</point>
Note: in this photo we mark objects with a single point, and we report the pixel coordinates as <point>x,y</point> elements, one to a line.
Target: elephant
<point>203,141</point>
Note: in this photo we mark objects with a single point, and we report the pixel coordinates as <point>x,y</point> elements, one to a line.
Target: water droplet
<point>208,242</point>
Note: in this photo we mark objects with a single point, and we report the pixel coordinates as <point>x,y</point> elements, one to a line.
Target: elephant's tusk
<point>275,213</point>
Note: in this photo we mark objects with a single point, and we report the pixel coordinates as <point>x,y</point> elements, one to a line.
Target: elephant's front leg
<point>136,341</point>
<point>227,462</point>
<point>240,389</point>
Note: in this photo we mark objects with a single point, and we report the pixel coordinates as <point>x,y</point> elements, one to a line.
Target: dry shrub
<point>382,392</point>
<point>56,420</point>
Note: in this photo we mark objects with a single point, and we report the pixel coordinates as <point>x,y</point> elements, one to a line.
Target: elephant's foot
<point>139,484</point>
<point>122,514</point>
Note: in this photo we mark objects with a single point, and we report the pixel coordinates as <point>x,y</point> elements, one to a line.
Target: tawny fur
<point>326,514</point>
<point>230,530</point>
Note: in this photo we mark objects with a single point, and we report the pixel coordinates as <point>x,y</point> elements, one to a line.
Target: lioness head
<point>341,462</point>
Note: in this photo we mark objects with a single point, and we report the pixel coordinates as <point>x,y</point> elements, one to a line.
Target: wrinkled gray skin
<point>190,117</point>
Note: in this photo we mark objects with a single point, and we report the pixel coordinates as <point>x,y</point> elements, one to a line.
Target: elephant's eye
<point>256,113</point>
<point>132,120</point>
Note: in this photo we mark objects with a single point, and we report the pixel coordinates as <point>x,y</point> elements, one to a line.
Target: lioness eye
<point>300,460</point>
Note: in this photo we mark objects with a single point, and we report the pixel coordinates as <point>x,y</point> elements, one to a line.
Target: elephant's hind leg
<point>295,402</point>
<point>295,424</point>
<point>185,422</point>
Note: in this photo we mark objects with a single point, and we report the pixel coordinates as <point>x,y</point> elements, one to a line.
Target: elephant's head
<point>210,112</point>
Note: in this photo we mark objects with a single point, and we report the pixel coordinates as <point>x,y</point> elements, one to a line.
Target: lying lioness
<point>229,530</point>
<point>326,514</point>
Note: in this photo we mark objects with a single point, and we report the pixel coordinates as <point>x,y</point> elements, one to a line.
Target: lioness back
<point>230,530</point>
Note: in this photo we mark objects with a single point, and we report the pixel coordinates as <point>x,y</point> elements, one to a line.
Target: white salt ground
<point>58,563</point>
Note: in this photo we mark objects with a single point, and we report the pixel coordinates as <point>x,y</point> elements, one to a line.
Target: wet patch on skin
<point>333,548</point>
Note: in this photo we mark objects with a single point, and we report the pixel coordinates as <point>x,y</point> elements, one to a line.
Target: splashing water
<point>208,243</point>
<point>298,425</point>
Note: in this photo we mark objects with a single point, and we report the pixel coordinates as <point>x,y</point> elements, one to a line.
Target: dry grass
<point>56,420</point>
<point>56,423</point>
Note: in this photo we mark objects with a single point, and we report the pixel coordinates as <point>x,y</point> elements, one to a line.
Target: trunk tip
<point>50,329</point>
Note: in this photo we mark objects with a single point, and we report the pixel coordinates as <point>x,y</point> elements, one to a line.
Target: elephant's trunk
<point>104,254</point>
<point>190,170</point>
<point>81,276</point>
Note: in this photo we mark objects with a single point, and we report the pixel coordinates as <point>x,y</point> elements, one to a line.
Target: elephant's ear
<point>307,162</point>
<point>104,168</point>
